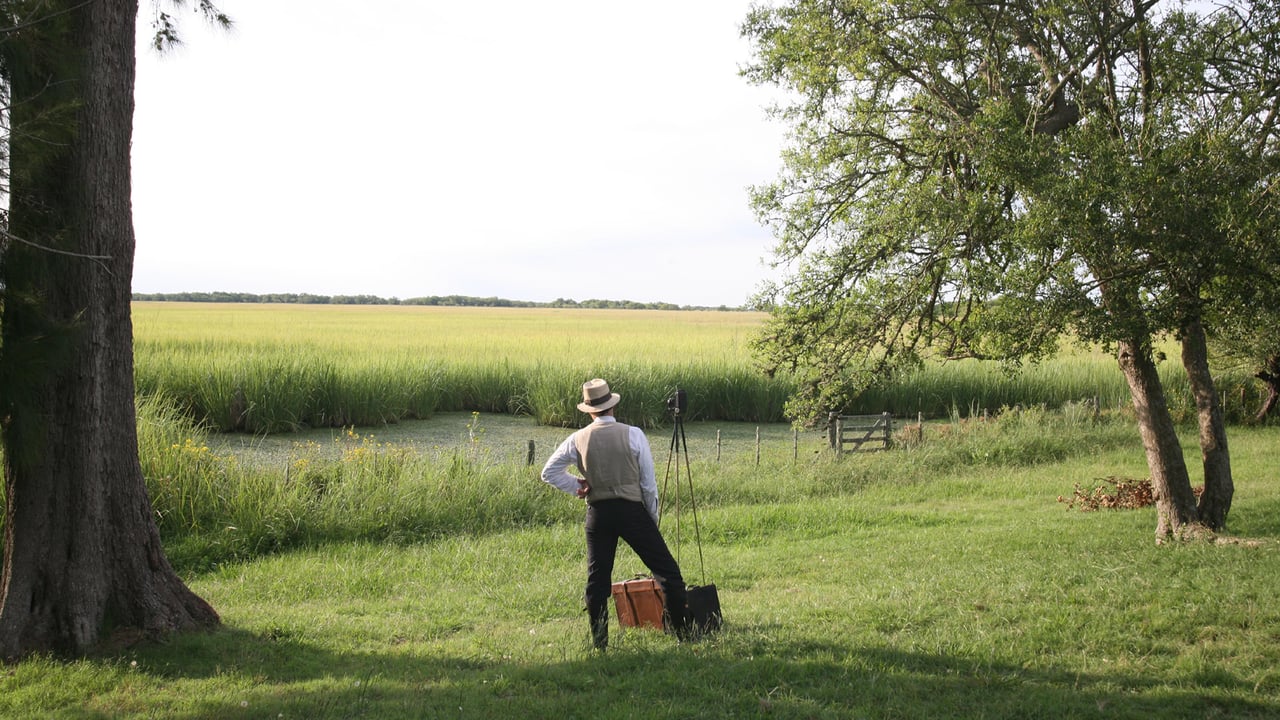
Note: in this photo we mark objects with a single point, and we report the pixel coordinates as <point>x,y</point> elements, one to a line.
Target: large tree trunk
<point>82,555</point>
<point>1215,501</point>
<point>1175,501</point>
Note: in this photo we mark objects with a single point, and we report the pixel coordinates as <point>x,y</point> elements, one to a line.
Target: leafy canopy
<point>973,178</point>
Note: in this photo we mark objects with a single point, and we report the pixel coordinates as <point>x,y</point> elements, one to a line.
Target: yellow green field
<point>265,368</point>
<point>268,368</point>
<point>518,335</point>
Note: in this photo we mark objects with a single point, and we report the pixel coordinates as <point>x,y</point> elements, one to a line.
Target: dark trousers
<point>607,522</point>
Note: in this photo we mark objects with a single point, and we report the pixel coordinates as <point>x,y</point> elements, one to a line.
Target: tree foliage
<point>972,179</point>
<point>165,32</point>
<point>977,178</point>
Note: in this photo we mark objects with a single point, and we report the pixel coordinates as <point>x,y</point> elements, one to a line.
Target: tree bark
<point>1175,501</point>
<point>82,554</point>
<point>1215,501</point>
<point>1270,376</point>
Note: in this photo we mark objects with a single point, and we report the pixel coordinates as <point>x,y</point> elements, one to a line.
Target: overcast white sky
<point>526,150</point>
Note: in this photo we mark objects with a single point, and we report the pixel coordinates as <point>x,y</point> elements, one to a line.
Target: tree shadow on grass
<point>1256,519</point>
<point>646,675</point>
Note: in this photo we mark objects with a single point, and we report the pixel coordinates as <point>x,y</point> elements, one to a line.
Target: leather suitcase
<point>639,603</point>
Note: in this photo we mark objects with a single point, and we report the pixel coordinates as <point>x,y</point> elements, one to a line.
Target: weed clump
<point>1117,493</point>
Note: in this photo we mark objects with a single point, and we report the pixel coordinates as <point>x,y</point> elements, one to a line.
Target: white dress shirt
<point>556,471</point>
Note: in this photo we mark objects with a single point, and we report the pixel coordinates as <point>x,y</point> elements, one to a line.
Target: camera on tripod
<point>678,402</point>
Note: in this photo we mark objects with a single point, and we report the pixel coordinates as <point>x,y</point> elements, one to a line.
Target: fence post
<point>839,441</point>
<point>717,446</point>
<point>920,423</point>
<point>531,453</point>
<point>757,445</point>
<point>795,444</point>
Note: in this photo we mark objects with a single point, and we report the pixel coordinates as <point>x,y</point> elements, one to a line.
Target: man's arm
<point>556,472</point>
<point>648,477</point>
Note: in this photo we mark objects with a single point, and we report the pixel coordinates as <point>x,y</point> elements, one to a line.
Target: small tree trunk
<point>1270,376</point>
<point>1215,501</point>
<point>1273,398</point>
<point>82,555</point>
<point>1175,501</point>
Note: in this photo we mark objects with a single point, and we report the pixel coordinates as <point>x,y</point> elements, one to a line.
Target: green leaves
<point>970,179</point>
<point>165,27</point>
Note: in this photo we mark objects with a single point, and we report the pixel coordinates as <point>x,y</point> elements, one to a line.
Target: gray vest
<point>606,461</point>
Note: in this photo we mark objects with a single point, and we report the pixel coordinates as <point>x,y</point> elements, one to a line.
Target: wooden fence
<point>852,432</point>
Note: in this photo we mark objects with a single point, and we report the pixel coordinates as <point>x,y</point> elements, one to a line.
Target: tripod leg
<point>673,456</point>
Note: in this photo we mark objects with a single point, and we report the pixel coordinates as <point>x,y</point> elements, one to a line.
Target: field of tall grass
<point>278,368</point>
<point>219,502</point>
<point>272,368</point>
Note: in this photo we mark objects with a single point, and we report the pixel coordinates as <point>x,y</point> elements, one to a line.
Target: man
<point>618,482</point>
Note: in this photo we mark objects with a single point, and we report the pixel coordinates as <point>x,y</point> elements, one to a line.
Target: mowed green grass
<point>938,579</point>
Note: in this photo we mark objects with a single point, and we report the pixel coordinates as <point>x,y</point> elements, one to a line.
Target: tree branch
<point>14,238</point>
<point>30,23</point>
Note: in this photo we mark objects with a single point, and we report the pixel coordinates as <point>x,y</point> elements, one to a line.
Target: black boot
<point>676,613</point>
<point>599,617</point>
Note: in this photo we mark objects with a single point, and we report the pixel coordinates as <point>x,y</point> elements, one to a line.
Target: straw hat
<point>596,397</point>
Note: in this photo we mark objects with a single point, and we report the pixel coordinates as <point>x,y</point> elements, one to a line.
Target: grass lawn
<point>930,581</point>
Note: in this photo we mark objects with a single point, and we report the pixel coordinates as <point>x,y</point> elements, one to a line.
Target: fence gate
<point>854,431</point>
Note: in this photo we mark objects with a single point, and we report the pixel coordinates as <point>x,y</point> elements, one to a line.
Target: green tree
<point>1247,338</point>
<point>82,555</point>
<point>971,178</point>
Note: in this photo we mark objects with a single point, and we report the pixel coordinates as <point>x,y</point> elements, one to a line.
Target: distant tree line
<point>440,300</point>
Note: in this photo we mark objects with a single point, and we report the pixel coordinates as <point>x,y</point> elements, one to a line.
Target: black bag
<point>704,608</point>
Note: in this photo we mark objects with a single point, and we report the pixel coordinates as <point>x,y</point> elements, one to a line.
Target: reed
<point>277,368</point>
<point>216,506</point>
<point>266,369</point>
